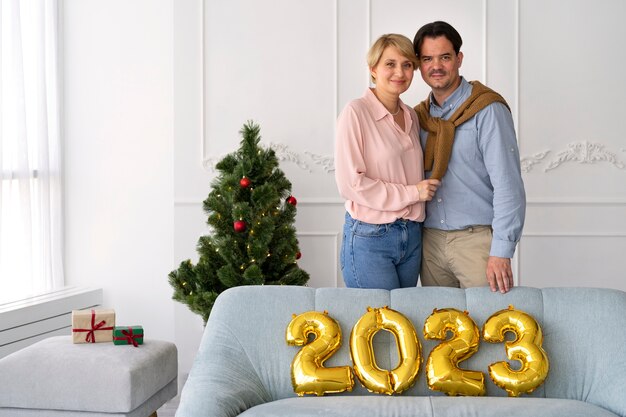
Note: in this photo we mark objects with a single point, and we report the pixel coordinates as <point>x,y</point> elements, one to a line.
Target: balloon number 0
<point>362,351</point>
<point>309,376</point>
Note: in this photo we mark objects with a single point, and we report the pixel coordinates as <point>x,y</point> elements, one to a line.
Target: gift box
<point>128,335</point>
<point>92,326</point>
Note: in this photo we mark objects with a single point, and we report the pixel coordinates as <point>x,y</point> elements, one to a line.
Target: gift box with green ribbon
<point>128,335</point>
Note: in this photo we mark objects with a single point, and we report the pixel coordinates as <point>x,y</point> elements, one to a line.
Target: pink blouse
<point>378,164</point>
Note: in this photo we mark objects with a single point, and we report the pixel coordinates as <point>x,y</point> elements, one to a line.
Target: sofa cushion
<point>344,406</point>
<point>58,374</point>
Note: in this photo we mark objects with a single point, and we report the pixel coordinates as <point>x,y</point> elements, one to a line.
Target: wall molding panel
<point>302,202</point>
<point>567,202</point>
<point>305,160</point>
<point>573,234</point>
<point>320,257</point>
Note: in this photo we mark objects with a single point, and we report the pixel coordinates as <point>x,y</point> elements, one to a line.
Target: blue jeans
<point>384,256</point>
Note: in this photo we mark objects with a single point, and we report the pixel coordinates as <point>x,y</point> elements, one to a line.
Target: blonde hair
<point>401,42</point>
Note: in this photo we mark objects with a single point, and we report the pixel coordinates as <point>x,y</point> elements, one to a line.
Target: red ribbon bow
<point>129,336</point>
<point>91,337</point>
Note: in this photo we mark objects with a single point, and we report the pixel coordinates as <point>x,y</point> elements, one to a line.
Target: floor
<point>169,408</point>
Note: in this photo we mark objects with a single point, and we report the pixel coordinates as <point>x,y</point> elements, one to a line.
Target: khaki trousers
<point>456,258</point>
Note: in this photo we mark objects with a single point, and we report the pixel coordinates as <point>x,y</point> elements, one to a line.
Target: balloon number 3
<point>309,376</point>
<point>526,348</point>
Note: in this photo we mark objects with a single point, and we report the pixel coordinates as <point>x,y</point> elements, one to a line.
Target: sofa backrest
<point>584,334</point>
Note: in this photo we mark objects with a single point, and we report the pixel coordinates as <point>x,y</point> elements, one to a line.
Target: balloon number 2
<point>442,366</point>
<point>320,337</point>
<point>308,374</point>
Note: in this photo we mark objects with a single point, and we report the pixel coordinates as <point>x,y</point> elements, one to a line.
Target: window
<point>30,187</point>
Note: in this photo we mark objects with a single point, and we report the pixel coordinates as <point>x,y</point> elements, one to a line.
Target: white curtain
<point>30,160</point>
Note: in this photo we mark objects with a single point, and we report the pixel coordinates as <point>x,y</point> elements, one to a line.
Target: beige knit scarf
<point>441,132</point>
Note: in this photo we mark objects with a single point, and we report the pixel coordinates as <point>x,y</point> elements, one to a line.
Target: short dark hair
<point>434,30</point>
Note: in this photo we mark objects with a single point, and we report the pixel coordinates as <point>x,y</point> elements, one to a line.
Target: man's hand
<point>499,274</point>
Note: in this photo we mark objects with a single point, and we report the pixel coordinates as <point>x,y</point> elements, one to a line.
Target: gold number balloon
<point>308,374</point>
<point>526,348</point>
<point>409,351</point>
<point>442,370</point>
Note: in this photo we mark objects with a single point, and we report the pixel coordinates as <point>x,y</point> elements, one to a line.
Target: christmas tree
<point>253,242</point>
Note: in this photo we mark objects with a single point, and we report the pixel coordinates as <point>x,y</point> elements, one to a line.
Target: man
<point>475,219</point>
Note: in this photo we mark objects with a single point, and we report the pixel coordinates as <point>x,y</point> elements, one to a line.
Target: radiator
<point>27,321</point>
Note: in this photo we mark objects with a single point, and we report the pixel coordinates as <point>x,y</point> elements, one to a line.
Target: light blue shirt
<point>483,184</point>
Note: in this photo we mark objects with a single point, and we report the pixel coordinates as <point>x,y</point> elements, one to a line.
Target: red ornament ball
<point>292,200</point>
<point>298,255</point>
<point>239,226</point>
<point>244,182</point>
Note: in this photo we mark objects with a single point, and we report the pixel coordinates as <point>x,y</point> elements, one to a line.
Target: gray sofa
<point>243,365</point>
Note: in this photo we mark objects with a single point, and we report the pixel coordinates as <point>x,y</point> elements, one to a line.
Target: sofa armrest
<point>222,381</point>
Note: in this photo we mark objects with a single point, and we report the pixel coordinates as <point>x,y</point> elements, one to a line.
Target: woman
<point>379,171</point>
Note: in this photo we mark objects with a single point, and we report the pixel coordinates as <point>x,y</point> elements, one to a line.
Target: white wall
<point>291,65</point>
<point>157,90</point>
<point>118,147</point>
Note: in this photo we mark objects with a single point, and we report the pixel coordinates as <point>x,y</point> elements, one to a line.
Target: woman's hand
<point>427,188</point>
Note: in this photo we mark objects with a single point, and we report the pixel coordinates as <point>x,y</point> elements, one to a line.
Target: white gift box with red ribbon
<point>93,326</point>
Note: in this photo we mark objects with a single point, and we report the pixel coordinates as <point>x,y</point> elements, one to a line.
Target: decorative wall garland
<point>284,153</point>
<point>583,152</point>
<point>529,162</point>
<point>325,161</point>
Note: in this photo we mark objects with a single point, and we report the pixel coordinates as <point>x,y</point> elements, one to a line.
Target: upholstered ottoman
<point>57,378</point>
